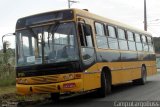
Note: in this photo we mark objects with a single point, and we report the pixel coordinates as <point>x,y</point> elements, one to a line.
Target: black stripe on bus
<point>109,56</point>
<point>48,69</point>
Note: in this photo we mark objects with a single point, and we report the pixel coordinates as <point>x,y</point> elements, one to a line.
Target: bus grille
<point>45,89</point>
<point>46,79</point>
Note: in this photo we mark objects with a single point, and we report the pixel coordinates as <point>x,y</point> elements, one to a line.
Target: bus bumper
<point>61,87</point>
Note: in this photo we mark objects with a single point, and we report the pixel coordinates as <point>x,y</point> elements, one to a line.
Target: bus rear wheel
<point>105,85</point>
<point>143,78</point>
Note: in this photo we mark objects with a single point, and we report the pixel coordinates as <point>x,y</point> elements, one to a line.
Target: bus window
<point>149,40</point>
<point>122,40</point>
<point>88,35</point>
<point>121,34</point>
<point>99,29</point>
<point>111,31</point>
<point>112,40</point>
<point>137,37</point>
<point>144,41</point>
<point>138,42</point>
<point>131,42</point>
<point>150,45</point>
<point>85,33</point>
<point>100,36</point>
<point>130,36</point>
<point>81,35</point>
<point>26,46</point>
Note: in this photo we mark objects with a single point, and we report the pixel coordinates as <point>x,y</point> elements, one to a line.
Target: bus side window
<point>144,41</point>
<point>112,40</point>
<point>131,41</point>
<point>150,45</point>
<point>86,39</point>
<point>81,35</point>
<point>100,36</point>
<point>85,34</point>
<point>122,39</point>
<point>138,42</point>
<point>88,35</point>
<point>111,31</point>
<point>99,29</point>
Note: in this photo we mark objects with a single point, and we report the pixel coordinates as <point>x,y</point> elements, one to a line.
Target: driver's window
<point>85,34</point>
<point>88,36</point>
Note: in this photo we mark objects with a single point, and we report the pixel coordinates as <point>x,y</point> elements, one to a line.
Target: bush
<point>8,79</point>
<point>7,68</point>
<point>7,75</point>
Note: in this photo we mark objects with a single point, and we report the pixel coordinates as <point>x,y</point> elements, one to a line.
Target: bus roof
<point>98,18</point>
<point>109,21</point>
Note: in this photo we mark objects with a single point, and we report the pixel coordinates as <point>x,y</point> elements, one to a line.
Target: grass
<point>8,93</point>
<point>7,89</point>
<point>7,80</point>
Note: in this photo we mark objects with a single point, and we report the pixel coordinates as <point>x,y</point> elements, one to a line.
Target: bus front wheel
<point>105,85</point>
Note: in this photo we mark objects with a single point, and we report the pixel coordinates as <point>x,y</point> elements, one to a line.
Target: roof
<point>109,21</point>
<point>100,18</point>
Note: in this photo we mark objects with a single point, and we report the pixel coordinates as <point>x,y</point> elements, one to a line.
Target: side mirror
<point>6,43</point>
<point>4,47</point>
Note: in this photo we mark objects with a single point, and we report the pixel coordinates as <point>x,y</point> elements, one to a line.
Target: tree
<point>7,57</point>
<point>6,45</point>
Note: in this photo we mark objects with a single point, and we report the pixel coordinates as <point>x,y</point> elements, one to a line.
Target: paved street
<point>126,92</point>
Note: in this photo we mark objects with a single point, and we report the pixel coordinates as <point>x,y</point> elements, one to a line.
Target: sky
<point>126,11</point>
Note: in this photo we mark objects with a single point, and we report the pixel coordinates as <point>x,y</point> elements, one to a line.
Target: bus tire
<point>143,78</point>
<point>105,85</point>
<point>55,97</point>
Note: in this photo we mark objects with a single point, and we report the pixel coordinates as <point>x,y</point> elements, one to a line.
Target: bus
<point>158,60</point>
<point>73,51</point>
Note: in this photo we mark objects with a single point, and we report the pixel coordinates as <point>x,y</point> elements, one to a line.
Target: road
<point>126,92</point>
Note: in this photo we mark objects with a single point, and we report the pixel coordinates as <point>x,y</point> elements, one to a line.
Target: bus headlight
<point>25,81</point>
<point>20,81</point>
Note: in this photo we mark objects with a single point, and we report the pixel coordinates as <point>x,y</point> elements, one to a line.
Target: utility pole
<point>69,6</point>
<point>145,16</point>
<point>71,1</point>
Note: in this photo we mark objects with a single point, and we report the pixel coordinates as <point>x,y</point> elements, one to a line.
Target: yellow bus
<point>74,51</point>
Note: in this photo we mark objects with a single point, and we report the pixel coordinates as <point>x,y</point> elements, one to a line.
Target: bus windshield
<point>48,44</point>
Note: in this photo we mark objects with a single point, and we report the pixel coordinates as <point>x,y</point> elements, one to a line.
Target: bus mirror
<point>4,47</point>
<point>6,43</point>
